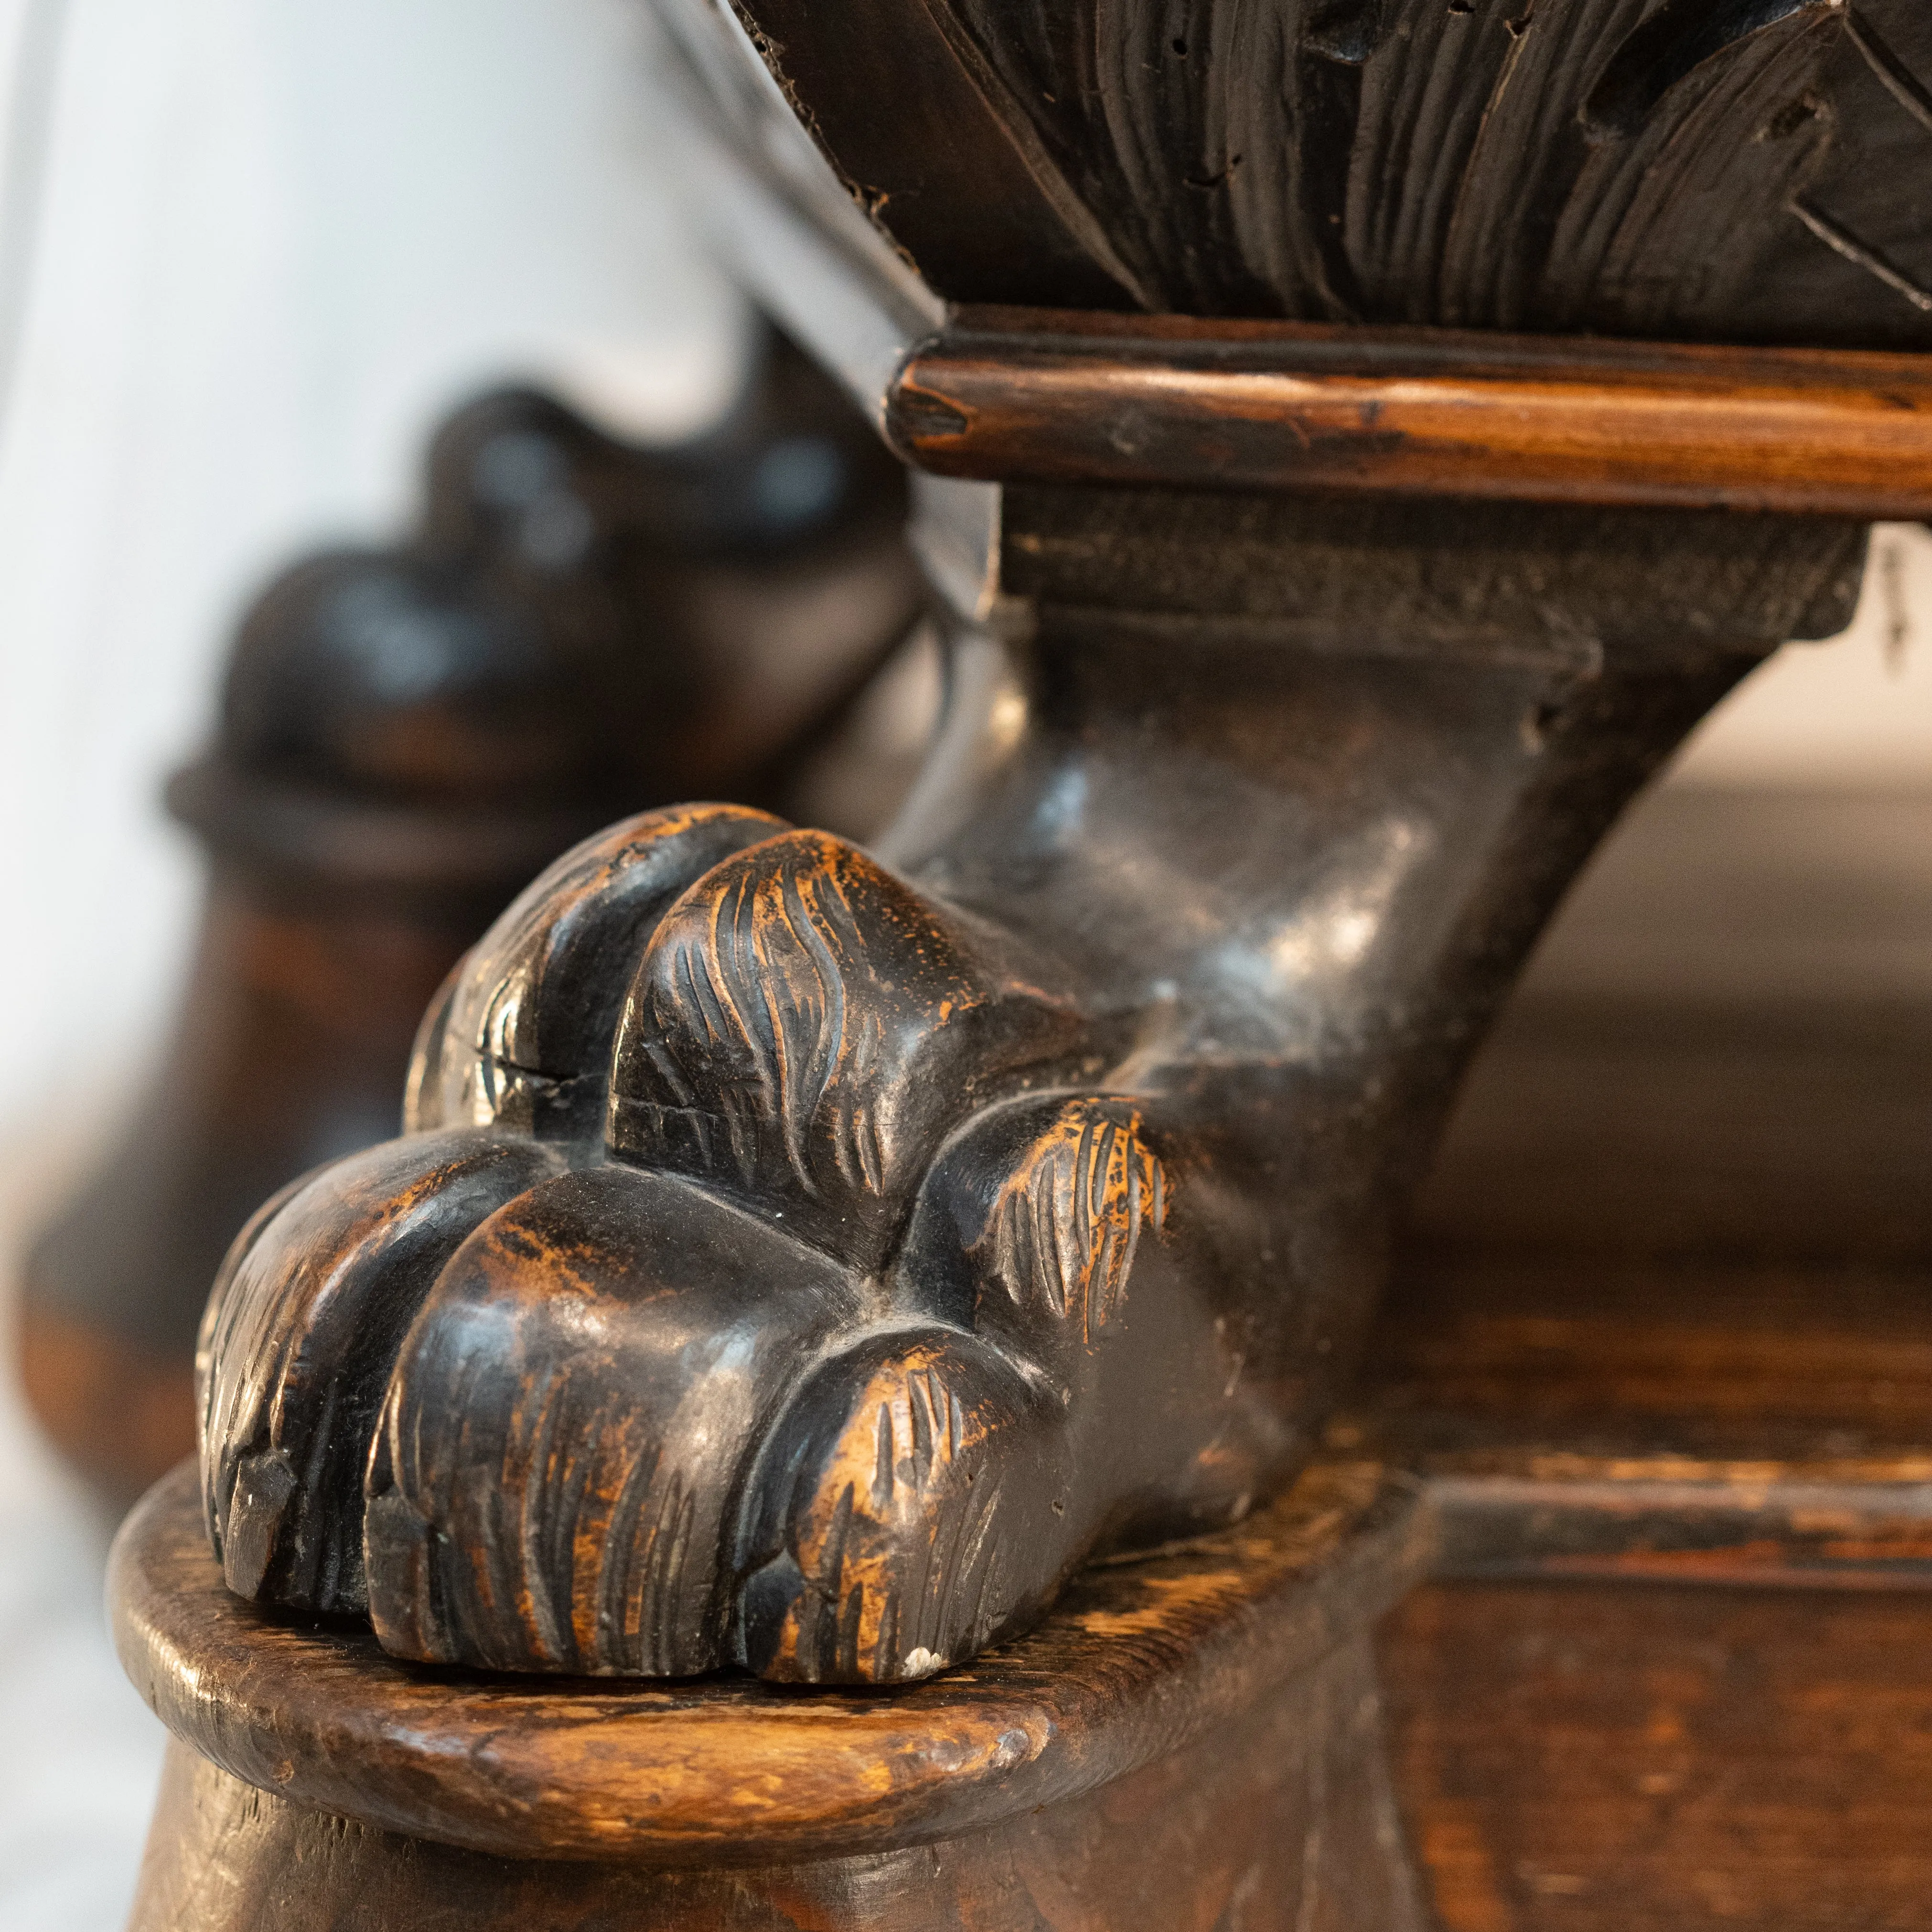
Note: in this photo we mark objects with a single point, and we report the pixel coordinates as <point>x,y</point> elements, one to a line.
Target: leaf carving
<point>1635,166</point>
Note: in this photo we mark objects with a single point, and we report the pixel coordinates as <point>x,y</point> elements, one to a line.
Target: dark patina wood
<point>1727,170</point>
<point>1200,1726</point>
<point>806,1262</point>
<point>1599,1759</point>
<point>1571,1744</point>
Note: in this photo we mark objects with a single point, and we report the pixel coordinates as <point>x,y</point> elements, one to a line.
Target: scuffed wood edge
<point>1139,1659</point>
<point>1549,1514</point>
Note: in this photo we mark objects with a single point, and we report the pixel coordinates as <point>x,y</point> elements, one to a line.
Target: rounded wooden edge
<point>1074,397</point>
<point>1139,1658</point>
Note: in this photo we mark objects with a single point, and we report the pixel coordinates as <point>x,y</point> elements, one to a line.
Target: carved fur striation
<point>505,1392</point>
<point>910,1506</point>
<point>521,1036</point>
<point>300,1335</point>
<point>1065,1226</point>
<point>804,1030</point>
<point>558,1448</point>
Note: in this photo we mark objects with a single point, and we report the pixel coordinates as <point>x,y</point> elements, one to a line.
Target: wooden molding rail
<point>1027,395</point>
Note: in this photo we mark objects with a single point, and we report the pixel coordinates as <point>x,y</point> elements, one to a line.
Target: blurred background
<point>251,254</point>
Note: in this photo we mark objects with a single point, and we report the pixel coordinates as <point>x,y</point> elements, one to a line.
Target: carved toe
<point>1030,1222</point>
<point>568,1421</point>
<point>520,1036</point>
<point>909,1508</point>
<point>303,1327</point>
<point>804,1031</point>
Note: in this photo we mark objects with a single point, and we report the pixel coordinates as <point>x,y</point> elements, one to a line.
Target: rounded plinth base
<point>1192,1740</point>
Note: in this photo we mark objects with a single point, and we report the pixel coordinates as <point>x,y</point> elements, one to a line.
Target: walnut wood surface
<point>1138,1661</point>
<point>1841,1351</point>
<point>1067,397</point>
<point>1281,1820</point>
<point>1580,1759</point>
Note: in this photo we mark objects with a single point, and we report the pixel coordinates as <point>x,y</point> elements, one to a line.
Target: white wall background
<point>249,249</point>
<point>257,247</point>
<point>1854,715</point>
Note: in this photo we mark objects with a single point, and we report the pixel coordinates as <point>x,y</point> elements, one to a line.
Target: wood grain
<point>1138,1660</point>
<point>1577,1759</point>
<point>1138,1657</point>
<point>1066,397</point>
<point>1282,1819</point>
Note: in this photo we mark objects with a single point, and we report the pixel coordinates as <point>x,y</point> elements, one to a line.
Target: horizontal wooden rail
<point>1014,394</point>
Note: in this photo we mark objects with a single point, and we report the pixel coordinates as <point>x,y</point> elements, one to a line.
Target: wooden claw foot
<point>805,1262</point>
<point>751,1289</point>
<point>809,1263</point>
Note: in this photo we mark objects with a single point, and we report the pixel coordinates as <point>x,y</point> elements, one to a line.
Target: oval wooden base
<point>1192,1740</point>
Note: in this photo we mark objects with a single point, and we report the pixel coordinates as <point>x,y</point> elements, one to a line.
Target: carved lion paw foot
<point>771,1274</point>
